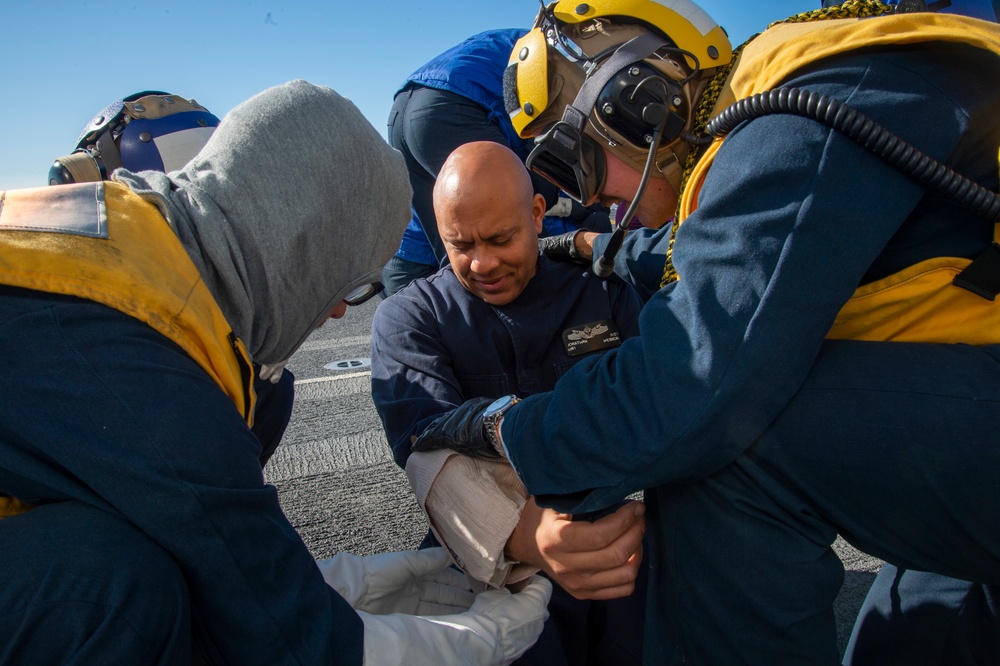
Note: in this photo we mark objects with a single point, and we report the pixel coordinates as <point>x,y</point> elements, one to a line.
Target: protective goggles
<point>363,293</point>
<point>567,157</point>
<point>570,160</point>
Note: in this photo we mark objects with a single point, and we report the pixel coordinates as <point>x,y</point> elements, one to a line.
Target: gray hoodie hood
<point>294,201</point>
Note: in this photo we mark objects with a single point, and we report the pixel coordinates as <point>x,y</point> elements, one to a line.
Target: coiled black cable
<point>904,156</point>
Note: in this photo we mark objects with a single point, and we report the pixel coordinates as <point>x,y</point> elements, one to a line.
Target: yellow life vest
<point>102,242</point>
<point>919,303</point>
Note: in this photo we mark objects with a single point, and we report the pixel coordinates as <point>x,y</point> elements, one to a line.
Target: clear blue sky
<point>62,61</point>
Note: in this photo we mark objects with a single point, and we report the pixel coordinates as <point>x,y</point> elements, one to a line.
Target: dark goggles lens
<point>571,161</point>
<point>363,293</point>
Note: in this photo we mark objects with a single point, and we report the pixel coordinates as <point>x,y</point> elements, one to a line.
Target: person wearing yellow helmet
<point>917,616</point>
<point>657,80</point>
<point>819,351</point>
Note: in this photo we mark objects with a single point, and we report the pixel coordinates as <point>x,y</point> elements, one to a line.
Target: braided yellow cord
<point>849,9</point>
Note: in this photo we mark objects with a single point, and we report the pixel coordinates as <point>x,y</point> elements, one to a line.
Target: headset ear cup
<point>639,100</point>
<point>80,167</point>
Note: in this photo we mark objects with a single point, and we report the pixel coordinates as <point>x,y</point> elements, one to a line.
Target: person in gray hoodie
<point>159,131</point>
<point>135,523</point>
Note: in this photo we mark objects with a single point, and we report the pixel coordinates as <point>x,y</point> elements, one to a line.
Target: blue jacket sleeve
<point>412,377</point>
<point>791,217</point>
<point>641,258</point>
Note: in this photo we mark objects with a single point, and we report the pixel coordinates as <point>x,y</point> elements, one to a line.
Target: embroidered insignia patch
<point>591,337</point>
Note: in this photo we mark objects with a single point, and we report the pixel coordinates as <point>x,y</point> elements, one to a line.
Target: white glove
<point>497,629</point>
<point>272,373</point>
<point>562,208</point>
<point>416,582</point>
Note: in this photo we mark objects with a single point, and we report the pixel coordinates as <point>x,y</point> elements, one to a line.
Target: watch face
<point>499,406</point>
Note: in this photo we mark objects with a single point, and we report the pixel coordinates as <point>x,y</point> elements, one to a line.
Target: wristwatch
<point>492,418</point>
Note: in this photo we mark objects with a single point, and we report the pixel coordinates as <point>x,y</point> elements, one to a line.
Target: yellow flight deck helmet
<point>622,74</point>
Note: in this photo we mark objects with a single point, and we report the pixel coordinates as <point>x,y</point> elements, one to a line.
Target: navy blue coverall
<point>435,345</point>
<point>757,439</point>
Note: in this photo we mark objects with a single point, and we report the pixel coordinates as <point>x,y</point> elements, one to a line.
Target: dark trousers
<point>915,618</point>
<point>894,447</point>
<point>399,272</point>
<point>580,632</point>
<point>426,125</point>
<point>591,633</point>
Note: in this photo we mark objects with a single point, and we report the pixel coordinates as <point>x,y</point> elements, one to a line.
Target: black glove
<point>562,248</point>
<point>461,430</point>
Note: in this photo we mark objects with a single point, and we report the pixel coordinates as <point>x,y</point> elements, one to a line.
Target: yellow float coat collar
<point>102,242</point>
<point>919,303</point>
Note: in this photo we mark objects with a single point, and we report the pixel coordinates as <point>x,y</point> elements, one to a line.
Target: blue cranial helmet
<point>146,131</point>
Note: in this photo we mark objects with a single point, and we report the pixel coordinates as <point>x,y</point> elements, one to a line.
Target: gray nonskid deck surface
<point>340,488</point>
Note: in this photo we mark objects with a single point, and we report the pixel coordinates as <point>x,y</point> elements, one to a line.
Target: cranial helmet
<point>621,74</point>
<point>147,131</point>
